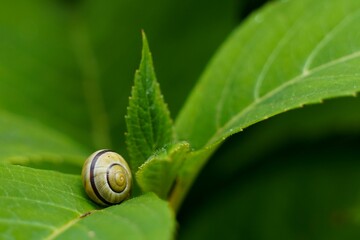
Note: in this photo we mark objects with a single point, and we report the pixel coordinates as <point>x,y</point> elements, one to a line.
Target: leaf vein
<point>271,58</point>
<point>327,38</point>
<point>22,222</point>
<point>40,202</point>
<point>63,228</point>
<point>49,188</point>
<point>271,93</point>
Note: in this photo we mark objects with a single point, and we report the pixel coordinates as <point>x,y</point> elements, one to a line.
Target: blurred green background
<point>295,176</point>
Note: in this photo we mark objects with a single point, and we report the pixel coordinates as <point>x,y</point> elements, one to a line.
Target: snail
<point>106,177</point>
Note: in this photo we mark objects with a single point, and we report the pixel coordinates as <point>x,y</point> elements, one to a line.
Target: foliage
<point>65,76</point>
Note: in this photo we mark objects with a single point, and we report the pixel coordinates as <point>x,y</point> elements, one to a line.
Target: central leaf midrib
<point>62,228</point>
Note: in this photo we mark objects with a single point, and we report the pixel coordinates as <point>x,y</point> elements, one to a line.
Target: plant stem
<point>192,167</point>
<point>91,81</point>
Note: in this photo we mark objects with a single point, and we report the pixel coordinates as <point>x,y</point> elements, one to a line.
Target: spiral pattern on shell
<point>106,177</point>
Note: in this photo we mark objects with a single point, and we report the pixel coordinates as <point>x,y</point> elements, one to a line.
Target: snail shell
<point>106,177</point>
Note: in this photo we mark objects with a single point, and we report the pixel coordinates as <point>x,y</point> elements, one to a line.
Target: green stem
<point>91,81</point>
<point>192,167</point>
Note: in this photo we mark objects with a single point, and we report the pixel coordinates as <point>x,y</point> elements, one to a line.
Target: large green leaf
<point>333,117</point>
<point>38,202</point>
<point>145,217</point>
<point>30,143</point>
<point>44,204</point>
<point>289,54</point>
<point>286,55</point>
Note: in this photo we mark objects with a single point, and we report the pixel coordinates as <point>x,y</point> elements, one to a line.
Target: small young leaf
<point>148,119</point>
<point>158,173</point>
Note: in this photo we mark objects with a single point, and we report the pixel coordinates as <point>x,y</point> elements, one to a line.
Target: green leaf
<point>159,172</point>
<point>56,198</point>
<point>333,117</point>
<point>144,217</point>
<point>63,209</point>
<point>148,120</point>
<point>29,143</point>
<point>269,66</point>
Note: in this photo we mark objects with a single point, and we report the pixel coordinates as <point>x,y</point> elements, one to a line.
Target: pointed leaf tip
<point>145,44</point>
<point>148,121</point>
